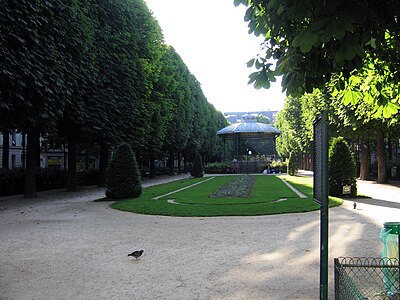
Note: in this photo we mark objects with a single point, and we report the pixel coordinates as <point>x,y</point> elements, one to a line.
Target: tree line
<point>94,73</point>
<point>340,56</point>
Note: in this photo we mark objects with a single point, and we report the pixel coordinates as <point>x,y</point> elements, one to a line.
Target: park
<point>68,245</point>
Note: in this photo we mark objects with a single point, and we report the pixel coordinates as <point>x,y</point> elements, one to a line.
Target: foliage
<point>218,167</point>
<point>123,178</point>
<point>263,119</point>
<point>198,170</point>
<point>262,201</point>
<point>375,86</point>
<point>295,121</point>
<point>278,164</point>
<point>292,166</point>
<point>342,168</point>
<point>12,181</point>
<point>99,75</point>
<point>312,39</point>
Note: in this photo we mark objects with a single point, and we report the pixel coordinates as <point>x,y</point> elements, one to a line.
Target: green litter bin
<point>390,236</point>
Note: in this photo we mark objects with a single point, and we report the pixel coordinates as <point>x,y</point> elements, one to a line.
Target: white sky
<point>213,41</point>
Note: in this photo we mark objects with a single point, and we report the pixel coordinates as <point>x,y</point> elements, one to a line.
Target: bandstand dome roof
<point>249,126</point>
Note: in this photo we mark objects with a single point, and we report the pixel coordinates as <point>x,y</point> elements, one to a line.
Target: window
<point>14,139</point>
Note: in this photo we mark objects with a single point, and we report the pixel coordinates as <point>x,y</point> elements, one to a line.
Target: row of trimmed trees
<point>91,74</point>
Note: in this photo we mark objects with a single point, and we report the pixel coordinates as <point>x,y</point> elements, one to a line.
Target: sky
<point>213,41</point>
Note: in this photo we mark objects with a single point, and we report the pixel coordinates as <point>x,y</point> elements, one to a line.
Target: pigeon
<point>136,254</point>
<point>355,205</point>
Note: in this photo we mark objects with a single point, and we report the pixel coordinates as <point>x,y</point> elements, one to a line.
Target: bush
<point>50,178</point>
<point>342,168</point>
<point>123,177</point>
<point>198,170</point>
<point>292,166</point>
<point>278,166</point>
<point>12,181</point>
<point>219,168</point>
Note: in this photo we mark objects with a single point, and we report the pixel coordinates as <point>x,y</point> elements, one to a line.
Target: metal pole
<point>247,154</point>
<point>324,211</point>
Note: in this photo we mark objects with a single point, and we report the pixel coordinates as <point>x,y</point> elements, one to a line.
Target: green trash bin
<point>390,236</point>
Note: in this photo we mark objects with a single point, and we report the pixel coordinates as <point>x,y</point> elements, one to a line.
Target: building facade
<point>17,150</point>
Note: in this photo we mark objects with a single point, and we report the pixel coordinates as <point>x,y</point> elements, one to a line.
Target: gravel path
<point>65,246</point>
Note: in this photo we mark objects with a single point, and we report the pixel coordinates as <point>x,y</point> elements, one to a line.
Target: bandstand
<point>251,145</point>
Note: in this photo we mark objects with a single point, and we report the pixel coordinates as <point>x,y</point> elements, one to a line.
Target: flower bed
<point>238,187</point>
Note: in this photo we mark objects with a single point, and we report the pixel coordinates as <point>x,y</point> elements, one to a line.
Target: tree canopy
<point>311,40</point>
<point>98,73</point>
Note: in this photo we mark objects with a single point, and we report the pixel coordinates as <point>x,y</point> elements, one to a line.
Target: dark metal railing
<point>361,278</point>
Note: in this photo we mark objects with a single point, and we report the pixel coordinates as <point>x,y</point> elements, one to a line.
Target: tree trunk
<point>152,169</point>
<point>72,176</point>
<point>6,150</point>
<point>171,163</point>
<point>382,176</point>
<point>103,164</point>
<point>23,154</point>
<point>364,161</point>
<point>179,163</point>
<point>31,164</point>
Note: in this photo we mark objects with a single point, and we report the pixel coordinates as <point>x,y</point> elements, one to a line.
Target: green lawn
<point>195,201</point>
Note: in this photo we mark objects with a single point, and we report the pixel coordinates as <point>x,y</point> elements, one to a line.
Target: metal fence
<point>363,278</point>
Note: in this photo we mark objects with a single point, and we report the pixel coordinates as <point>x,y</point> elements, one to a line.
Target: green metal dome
<point>249,126</point>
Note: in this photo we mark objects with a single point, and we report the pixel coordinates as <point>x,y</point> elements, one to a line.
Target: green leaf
<point>350,97</point>
<point>349,52</point>
<point>250,63</point>
<point>252,77</point>
<point>317,25</point>
<point>305,40</point>
<point>305,47</point>
<point>249,14</point>
<point>259,64</point>
<point>368,98</point>
<point>273,4</point>
<point>238,2</point>
<point>390,109</point>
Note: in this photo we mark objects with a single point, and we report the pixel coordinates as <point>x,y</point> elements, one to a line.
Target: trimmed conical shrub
<point>342,168</point>
<point>123,177</point>
<point>198,170</point>
<point>292,166</point>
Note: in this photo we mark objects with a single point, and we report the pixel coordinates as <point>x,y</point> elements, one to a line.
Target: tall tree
<point>312,39</point>
<point>32,71</point>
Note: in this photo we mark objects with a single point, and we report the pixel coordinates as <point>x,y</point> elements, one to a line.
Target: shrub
<point>50,178</point>
<point>198,166</point>
<point>11,181</point>
<point>278,166</point>
<point>342,168</point>
<point>219,168</point>
<point>123,177</point>
<point>292,165</point>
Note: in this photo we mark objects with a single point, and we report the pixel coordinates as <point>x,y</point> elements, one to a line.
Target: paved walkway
<point>65,246</point>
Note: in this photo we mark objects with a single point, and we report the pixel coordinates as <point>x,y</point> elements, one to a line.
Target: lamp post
<point>249,153</point>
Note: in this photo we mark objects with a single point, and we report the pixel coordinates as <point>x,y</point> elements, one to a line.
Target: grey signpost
<point>320,193</point>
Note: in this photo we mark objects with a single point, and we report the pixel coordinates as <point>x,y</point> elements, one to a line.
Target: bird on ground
<point>355,205</point>
<point>136,254</point>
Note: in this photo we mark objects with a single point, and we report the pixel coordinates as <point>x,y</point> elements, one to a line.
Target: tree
<point>198,170</point>
<point>311,40</point>
<point>342,168</point>
<point>292,164</point>
<point>123,177</point>
<point>33,67</point>
<point>263,119</point>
